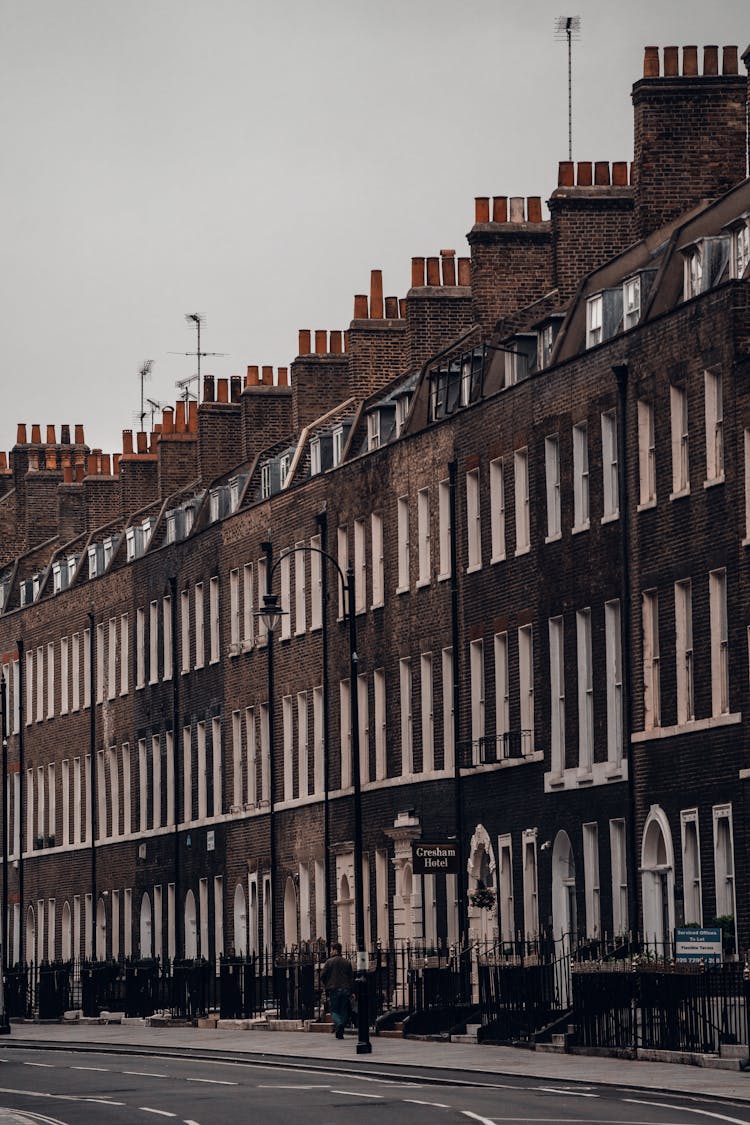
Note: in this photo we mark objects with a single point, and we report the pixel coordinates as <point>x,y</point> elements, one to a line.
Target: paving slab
<point>483,1063</point>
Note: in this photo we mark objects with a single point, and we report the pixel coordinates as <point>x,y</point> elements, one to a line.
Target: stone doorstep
<point>684,1058</point>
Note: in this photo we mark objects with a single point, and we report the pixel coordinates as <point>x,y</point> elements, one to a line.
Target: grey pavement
<point>485,1063</point>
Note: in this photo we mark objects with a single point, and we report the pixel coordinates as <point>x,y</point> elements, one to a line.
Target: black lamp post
<point>4,1021</point>
<point>271,615</point>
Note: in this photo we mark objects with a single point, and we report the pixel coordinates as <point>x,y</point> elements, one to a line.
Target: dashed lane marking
<point>565,1090</point>
<point>160,1112</point>
<point>214,1081</point>
<point>435,1105</point>
<point>476,1117</point>
<point>47,1066</point>
<point>277,1086</point>
<point>145,1074</point>
<point>101,1069</point>
<point>357,1094</point>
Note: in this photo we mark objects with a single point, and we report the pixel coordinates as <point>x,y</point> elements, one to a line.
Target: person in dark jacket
<point>337,977</point>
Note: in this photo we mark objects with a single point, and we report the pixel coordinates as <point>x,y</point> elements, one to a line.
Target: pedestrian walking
<point>337,977</point>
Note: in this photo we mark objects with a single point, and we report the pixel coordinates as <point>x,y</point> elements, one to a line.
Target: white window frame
<point>428,718</point>
<point>444,519</point>
<point>585,668</point>
<point>360,567</point>
<point>316,583</point>
<point>477,681</point>
<point>530,884</point>
<point>403,544</point>
<point>497,509</point>
<point>502,688</point>
<point>407,725</point>
<point>691,867</point>
<point>300,589</point>
<point>526,681</point>
<point>719,642</point>
<point>610,467</point>
<point>521,493</point>
<point>619,867</point>
<point>591,879</point>
<point>683,599</point>
<point>423,537</point>
<point>200,653</point>
<point>473,521</point>
<point>678,414</point>
<point>378,573</point>
<point>714,412</point>
<point>552,481</point>
<point>381,730</point>
<point>613,644</point>
<point>651,660</point>
<point>557,695</point>
<point>594,318</point>
<point>214,620</point>
<point>646,456</point>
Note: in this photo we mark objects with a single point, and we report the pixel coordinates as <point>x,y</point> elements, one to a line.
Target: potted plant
<point>483,897</point>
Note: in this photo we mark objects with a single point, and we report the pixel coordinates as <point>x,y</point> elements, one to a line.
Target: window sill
<point>600,773</point>
<point>554,538</point>
<point>610,517</point>
<point>422,583</point>
<point>473,568</point>
<point>581,527</point>
<point>443,577</point>
<point>681,494</point>
<point>523,550</point>
<point>401,590</point>
<point>714,481</point>
<point>647,505</point>
<point>247,646</point>
<point>687,728</point>
<point>497,559</point>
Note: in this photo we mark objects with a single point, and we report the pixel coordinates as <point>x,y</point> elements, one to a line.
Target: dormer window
<point>36,582</point>
<point>93,561</point>
<point>108,550</point>
<point>72,564</point>
<point>373,430</point>
<point>189,518</point>
<point>285,464</point>
<point>693,272</point>
<point>56,580</point>
<point>265,481</point>
<point>594,311</point>
<point>631,302</point>
<point>402,412</point>
<point>315,462</point>
<point>466,381</point>
<point>235,491</point>
<point>740,250</point>
<point>130,543</point>
<point>339,441</point>
<point>545,343</point>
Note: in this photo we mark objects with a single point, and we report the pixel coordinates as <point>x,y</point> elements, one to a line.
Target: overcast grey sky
<point>253,161</point>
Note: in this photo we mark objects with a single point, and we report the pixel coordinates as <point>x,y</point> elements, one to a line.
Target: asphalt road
<point>112,1088</point>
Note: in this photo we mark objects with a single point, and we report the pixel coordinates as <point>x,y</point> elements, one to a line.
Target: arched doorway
<point>101,930</point>
<point>564,905</point>
<point>291,928</point>
<point>240,921</point>
<point>146,933</point>
<point>344,912</point>
<point>29,948</point>
<point>67,937</point>
<point>657,867</point>
<point>191,926</point>
<point>267,919</point>
<point>481,871</point>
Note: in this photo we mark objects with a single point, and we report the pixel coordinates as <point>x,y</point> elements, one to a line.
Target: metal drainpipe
<point>92,773</point>
<point>177,773</point>
<point>455,642</point>
<point>268,551</point>
<point>322,520</point>
<point>4,740</point>
<point>620,372</point>
<point>21,791</point>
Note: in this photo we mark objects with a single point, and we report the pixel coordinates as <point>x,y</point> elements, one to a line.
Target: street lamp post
<point>271,614</point>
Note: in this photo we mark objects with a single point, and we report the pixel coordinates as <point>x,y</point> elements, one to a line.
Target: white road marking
<point>437,1105</point>
<point>565,1090</point>
<point>476,1117</point>
<point>48,1066</point>
<point>214,1081</point>
<point>189,1121</point>
<point>101,1069</point>
<point>161,1112</point>
<point>145,1074</point>
<point>357,1094</point>
<point>687,1109</point>
<point>279,1087</point>
<point>102,1101</point>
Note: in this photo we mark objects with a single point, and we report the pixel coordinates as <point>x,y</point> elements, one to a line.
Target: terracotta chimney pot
<point>304,348</point>
<point>321,341</point>
<point>534,208</point>
<point>417,273</point>
<point>448,262</point>
<point>376,294</point>
<point>36,434</point>
<point>79,439</point>
<point>689,62</point>
<point>464,271</point>
<point>601,173</point>
<point>80,471</point>
<point>482,209</point>
<point>391,309</point>
<point>620,173</point>
<point>51,439</point>
<point>282,376</point>
<point>92,465</point>
<point>235,388</point>
<point>208,388</point>
<point>584,173</point>
<point>671,62</point>
<point>115,464</point>
<point>167,420</point>
<point>729,62</point>
<point>222,390</point>
<point>142,441</point>
<point>565,173</point>
<point>253,377</point>
<point>267,375</point>
<point>68,473</point>
<point>179,416</point>
<point>127,441</point>
<point>500,209</point>
<point>711,59</point>
<point>360,306</point>
<point>21,434</point>
<point>64,435</point>
<point>651,62</point>
<point>402,308</point>
<point>433,271</point>
<point>336,344</point>
<point>106,468</point>
<point>192,426</point>
<point>50,461</point>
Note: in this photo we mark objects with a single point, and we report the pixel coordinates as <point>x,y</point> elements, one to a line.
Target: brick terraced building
<point>537,465</point>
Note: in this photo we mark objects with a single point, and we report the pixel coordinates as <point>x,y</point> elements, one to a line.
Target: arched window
<point>240,921</point>
<point>101,930</point>
<point>344,906</point>
<point>291,929</point>
<point>146,935</point>
<point>67,936</point>
<point>30,934</point>
<point>191,926</point>
<point>564,905</point>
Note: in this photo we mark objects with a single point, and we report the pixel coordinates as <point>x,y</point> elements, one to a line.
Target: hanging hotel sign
<point>697,944</point>
<point>435,859</point>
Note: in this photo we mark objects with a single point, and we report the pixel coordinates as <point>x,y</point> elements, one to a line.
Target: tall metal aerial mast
<point>568,28</point>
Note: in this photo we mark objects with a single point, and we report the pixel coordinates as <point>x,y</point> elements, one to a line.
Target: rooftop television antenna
<point>569,28</point>
<point>194,320</point>
<point>143,375</point>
